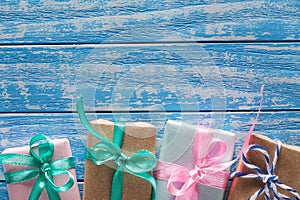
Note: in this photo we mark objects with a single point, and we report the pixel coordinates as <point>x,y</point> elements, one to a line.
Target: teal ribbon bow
<point>43,168</point>
<point>139,164</point>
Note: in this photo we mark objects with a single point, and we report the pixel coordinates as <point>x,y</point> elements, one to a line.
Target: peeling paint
<point>137,22</point>
<point>273,48</point>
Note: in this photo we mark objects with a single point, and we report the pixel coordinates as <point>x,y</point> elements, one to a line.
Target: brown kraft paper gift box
<point>288,165</point>
<point>98,179</point>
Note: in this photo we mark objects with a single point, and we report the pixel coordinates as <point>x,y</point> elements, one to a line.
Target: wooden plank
<point>3,191</point>
<point>119,21</point>
<point>17,129</point>
<point>149,77</point>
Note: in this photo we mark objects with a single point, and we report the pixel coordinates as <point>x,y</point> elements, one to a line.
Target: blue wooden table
<point>202,62</point>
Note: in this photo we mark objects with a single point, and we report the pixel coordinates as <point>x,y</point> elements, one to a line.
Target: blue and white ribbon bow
<point>270,179</point>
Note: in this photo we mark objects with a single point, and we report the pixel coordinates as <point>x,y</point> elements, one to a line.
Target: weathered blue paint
<point>3,191</point>
<point>53,21</point>
<point>156,77</point>
<point>149,62</point>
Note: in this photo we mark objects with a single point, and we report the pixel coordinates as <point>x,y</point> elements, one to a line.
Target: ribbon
<point>207,153</point>
<point>139,164</point>
<point>268,178</point>
<point>208,171</point>
<point>43,168</point>
<point>225,165</point>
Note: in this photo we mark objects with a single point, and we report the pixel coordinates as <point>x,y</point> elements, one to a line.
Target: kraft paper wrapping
<point>287,169</point>
<point>98,179</point>
<point>21,191</point>
<point>177,148</point>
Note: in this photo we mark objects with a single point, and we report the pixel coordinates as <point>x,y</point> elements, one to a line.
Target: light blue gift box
<point>177,147</point>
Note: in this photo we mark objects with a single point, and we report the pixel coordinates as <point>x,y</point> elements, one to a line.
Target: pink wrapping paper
<point>21,191</point>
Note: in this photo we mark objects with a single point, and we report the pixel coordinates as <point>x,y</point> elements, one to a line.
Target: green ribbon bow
<point>139,164</point>
<point>43,168</point>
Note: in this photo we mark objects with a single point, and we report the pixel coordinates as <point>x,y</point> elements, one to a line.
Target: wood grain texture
<point>153,77</point>
<point>3,191</point>
<point>140,61</point>
<point>17,129</point>
<point>121,21</point>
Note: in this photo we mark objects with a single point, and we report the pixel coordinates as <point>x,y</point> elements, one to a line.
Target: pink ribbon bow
<point>208,153</point>
<point>208,170</point>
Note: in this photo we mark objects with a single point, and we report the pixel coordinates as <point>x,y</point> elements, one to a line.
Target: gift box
<point>98,178</point>
<point>22,190</point>
<point>286,170</point>
<point>177,148</point>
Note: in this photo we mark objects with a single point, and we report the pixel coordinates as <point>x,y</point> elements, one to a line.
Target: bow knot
<point>270,180</point>
<point>140,162</point>
<point>121,159</point>
<point>208,153</point>
<point>45,167</point>
<point>42,168</point>
<point>267,178</point>
<point>197,174</point>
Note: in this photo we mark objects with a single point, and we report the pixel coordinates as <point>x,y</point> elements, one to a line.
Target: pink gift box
<point>21,191</point>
